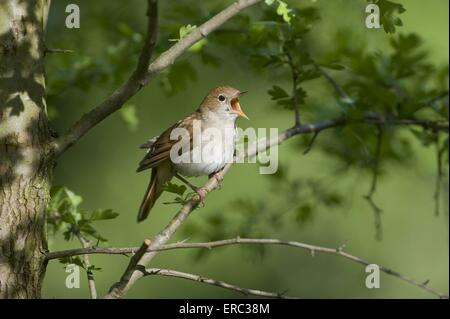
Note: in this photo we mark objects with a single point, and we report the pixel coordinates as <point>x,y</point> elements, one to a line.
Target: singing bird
<point>219,112</point>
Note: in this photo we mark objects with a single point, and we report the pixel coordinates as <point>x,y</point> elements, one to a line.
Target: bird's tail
<point>159,177</point>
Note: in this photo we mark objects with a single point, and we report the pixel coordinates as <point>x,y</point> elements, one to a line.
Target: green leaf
<point>177,200</point>
<point>424,136</point>
<point>277,93</point>
<point>284,11</point>
<point>67,217</point>
<point>93,268</point>
<point>103,215</point>
<point>129,116</point>
<point>185,30</point>
<point>72,260</point>
<point>198,46</point>
<point>87,229</point>
<point>269,2</point>
<point>388,14</point>
<point>74,199</point>
<point>174,188</point>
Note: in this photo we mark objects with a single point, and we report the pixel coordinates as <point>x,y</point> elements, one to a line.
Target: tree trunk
<point>25,161</point>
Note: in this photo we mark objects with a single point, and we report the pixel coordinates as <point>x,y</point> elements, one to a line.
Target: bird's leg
<point>218,176</point>
<point>201,192</point>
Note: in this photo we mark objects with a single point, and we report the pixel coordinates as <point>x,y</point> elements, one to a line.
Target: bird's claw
<point>219,178</point>
<point>201,192</point>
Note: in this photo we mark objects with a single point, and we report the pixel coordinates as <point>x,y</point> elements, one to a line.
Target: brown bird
<point>201,144</point>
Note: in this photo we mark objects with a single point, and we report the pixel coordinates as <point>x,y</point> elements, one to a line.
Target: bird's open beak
<point>237,107</point>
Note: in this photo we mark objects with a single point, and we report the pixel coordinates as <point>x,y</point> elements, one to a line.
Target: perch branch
<point>242,241</point>
<point>146,71</point>
<point>209,281</point>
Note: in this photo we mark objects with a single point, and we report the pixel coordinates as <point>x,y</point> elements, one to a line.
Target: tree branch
<point>145,72</point>
<point>90,276</point>
<point>243,241</point>
<point>133,264</point>
<point>209,281</point>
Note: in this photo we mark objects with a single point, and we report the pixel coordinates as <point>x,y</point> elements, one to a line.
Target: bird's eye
<point>221,98</point>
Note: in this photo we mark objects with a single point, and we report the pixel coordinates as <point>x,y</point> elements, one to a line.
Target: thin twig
<point>344,96</point>
<point>373,185</point>
<point>295,101</point>
<point>48,50</point>
<point>311,143</point>
<point>441,126</point>
<point>243,241</point>
<point>214,282</point>
<point>90,276</point>
<point>439,174</point>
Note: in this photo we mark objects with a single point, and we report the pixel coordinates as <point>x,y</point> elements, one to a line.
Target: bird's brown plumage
<point>158,155</point>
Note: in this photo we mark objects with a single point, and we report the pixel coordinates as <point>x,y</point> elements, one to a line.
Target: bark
<point>25,161</point>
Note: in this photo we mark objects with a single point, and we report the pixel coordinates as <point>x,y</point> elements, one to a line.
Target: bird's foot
<point>201,192</point>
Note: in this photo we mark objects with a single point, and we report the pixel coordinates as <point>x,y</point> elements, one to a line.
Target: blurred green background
<point>101,168</point>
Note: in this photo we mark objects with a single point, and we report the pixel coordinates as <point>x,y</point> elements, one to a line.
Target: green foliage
<point>185,30</point>
<point>178,190</point>
<point>64,214</point>
<point>282,9</point>
<point>174,188</point>
<point>76,260</point>
<point>80,71</point>
<point>389,11</point>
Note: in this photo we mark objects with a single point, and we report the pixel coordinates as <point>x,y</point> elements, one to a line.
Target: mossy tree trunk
<point>25,159</point>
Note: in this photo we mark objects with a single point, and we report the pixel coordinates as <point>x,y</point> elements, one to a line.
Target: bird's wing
<point>159,150</point>
<point>149,143</point>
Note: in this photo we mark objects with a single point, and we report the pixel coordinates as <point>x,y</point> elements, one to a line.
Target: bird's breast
<point>210,151</point>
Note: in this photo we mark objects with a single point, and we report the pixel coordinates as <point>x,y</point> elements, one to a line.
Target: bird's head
<point>224,101</point>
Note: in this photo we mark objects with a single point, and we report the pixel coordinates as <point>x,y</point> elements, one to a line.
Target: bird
<point>217,113</point>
